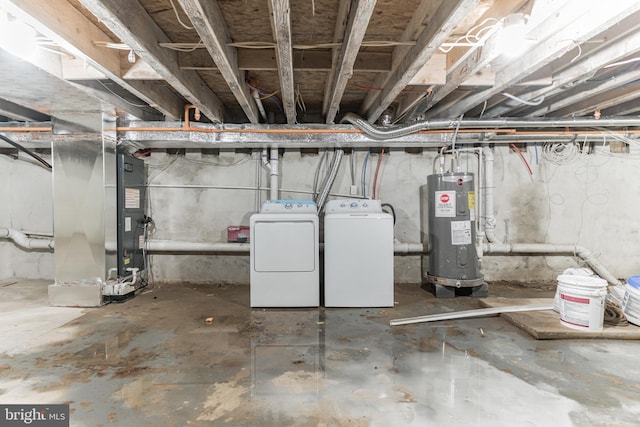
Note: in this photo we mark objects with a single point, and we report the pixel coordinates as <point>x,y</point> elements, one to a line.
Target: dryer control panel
<point>353,206</point>
<point>289,206</point>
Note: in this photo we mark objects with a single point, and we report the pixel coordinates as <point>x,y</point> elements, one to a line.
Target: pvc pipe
<point>546,248</point>
<point>256,96</point>
<point>489,217</point>
<point>273,161</point>
<point>21,240</point>
<point>159,246</point>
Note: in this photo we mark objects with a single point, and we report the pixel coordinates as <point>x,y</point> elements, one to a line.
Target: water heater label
<point>471,197</point>
<point>445,204</point>
<point>460,232</point>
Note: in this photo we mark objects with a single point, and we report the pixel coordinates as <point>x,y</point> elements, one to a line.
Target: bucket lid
<point>634,281</point>
<point>591,282</point>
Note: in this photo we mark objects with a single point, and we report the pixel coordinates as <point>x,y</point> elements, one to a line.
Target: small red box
<point>237,234</point>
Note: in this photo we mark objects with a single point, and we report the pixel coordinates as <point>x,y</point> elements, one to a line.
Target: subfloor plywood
<point>545,324</point>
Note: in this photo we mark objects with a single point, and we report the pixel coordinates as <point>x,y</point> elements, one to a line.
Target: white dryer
<point>358,254</point>
<point>284,255</point>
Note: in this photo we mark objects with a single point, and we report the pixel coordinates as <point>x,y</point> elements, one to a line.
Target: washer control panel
<point>289,206</point>
<point>353,206</point>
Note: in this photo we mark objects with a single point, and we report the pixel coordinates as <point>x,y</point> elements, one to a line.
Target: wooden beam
<point>208,21</point>
<point>64,24</point>
<point>628,43</point>
<point>630,107</point>
<point>338,34</point>
<point>265,60</point>
<point>610,93</point>
<point>445,20</point>
<point>281,27</point>
<point>104,93</point>
<point>414,28</point>
<point>129,21</point>
<point>357,23</point>
<point>582,25</point>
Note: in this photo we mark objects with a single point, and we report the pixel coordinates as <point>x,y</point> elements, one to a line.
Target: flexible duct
<point>25,242</point>
<point>330,179</point>
<point>377,132</point>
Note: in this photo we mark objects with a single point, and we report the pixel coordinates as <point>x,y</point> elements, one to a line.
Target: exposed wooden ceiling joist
<point>607,94</point>
<point>359,16</point>
<point>129,21</point>
<point>581,25</point>
<point>77,34</point>
<point>338,34</point>
<point>265,60</point>
<point>627,44</point>
<point>465,62</point>
<point>208,21</point>
<point>413,30</point>
<point>281,27</point>
<point>444,21</point>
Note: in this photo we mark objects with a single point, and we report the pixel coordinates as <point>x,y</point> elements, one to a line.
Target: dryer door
<point>284,245</point>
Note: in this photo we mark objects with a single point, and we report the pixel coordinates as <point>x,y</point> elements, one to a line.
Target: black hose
<point>26,150</point>
<point>393,211</point>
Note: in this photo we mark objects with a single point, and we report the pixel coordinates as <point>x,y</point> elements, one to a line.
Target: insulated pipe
<point>546,248</point>
<point>21,240</point>
<point>376,132</point>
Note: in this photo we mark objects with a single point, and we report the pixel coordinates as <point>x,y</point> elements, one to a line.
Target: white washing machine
<point>284,255</point>
<point>358,254</point>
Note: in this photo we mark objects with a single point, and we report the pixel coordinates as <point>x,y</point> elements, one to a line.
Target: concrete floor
<point>153,361</point>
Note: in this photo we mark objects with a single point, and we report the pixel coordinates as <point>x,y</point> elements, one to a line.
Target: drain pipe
<point>489,216</point>
<point>256,96</point>
<point>547,248</point>
<point>272,165</point>
<point>25,242</point>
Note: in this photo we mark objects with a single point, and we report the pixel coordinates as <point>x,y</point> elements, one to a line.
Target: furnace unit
<point>449,229</point>
<point>131,215</point>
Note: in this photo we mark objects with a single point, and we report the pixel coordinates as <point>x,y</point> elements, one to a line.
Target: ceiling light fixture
<point>17,37</point>
<point>511,41</point>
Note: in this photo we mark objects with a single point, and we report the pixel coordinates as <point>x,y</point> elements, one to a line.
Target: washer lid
<point>634,281</point>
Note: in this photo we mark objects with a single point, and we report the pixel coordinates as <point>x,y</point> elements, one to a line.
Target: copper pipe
<point>196,114</point>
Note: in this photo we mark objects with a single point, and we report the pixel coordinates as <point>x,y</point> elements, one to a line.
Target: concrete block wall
<point>592,202</point>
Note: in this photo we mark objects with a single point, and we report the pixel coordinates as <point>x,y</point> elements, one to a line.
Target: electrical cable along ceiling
<point>313,61</point>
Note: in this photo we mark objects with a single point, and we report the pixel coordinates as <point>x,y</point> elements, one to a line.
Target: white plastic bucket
<point>581,301</point>
<point>631,300</point>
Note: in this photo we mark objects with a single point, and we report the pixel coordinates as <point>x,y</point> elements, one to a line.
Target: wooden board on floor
<point>545,324</point>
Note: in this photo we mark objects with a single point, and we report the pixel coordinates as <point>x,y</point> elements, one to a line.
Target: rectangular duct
<point>84,194</point>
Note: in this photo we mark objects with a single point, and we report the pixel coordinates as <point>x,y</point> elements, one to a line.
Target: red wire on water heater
<point>517,150</point>
<point>375,178</point>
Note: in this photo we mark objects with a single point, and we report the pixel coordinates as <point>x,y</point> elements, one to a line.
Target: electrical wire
<point>175,10</point>
<point>27,151</point>
<point>120,97</point>
<point>364,175</point>
<point>393,211</point>
<point>375,178</point>
<point>560,153</point>
<point>526,163</point>
<point>471,39</point>
<point>533,103</point>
